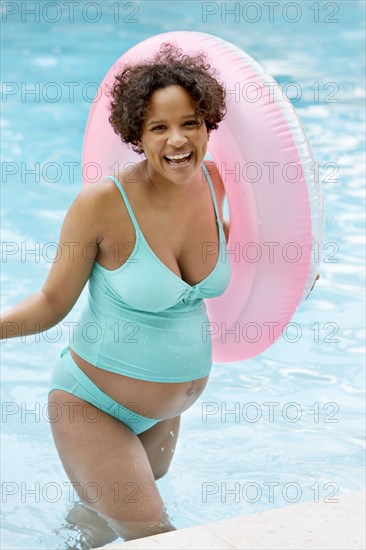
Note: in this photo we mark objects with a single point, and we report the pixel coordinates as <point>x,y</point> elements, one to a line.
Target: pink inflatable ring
<point>274,203</point>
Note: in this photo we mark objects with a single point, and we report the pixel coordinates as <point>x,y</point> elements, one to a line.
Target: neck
<point>170,192</point>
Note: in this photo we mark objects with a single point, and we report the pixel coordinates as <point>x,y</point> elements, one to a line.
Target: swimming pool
<point>283,427</point>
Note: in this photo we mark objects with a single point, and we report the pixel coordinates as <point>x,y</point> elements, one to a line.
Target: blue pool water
<point>225,464</point>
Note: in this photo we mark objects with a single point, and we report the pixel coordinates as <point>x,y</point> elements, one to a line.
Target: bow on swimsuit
<point>142,321</point>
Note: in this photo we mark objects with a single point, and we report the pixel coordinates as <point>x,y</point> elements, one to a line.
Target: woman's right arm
<point>81,233</point>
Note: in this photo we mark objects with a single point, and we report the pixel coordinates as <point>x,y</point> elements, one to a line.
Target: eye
<point>191,122</point>
<point>159,127</point>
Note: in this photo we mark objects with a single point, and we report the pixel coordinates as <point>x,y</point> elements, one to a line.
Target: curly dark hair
<point>134,86</point>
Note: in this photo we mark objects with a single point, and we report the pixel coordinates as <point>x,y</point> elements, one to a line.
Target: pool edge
<point>309,526</point>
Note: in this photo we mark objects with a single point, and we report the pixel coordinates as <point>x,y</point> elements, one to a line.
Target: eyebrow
<point>160,121</point>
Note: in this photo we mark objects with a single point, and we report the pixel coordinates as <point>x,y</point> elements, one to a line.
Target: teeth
<point>177,157</point>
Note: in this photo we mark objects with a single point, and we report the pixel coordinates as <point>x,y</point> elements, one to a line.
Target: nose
<point>177,138</point>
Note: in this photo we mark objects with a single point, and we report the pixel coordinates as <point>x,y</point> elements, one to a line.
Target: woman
<point>152,245</point>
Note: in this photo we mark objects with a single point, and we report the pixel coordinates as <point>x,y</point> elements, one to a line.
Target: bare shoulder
<point>217,183</point>
<point>106,188</point>
<point>215,178</point>
<point>219,192</point>
<point>88,204</point>
<point>97,192</point>
<point>105,200</point>
<point>101,198</point>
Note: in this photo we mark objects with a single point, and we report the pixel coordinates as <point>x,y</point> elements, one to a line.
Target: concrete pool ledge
<point>304,526</point>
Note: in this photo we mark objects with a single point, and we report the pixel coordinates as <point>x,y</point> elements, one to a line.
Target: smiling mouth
<point>178,160</point>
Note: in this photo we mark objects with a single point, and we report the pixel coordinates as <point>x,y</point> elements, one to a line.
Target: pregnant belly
<point>150,399</point>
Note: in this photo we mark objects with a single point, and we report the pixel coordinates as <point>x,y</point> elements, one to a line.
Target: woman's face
<point>171,129</point>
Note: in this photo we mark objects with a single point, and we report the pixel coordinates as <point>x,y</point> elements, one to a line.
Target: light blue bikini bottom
<point>67,376</point>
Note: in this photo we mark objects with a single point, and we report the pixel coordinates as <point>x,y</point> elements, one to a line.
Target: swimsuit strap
<point>127,203</point>
<point>211,189</point>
